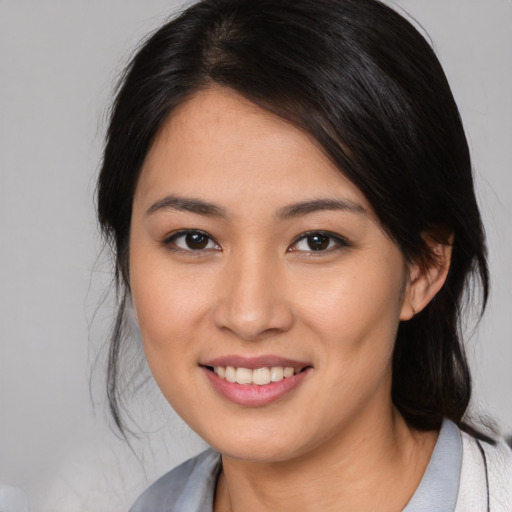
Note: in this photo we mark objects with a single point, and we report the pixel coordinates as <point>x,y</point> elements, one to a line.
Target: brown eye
<point>196,241</point>
<point>318,242</point>
<point>191,240</point>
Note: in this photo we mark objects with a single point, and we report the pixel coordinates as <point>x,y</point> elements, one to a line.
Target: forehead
<point>220,144</point>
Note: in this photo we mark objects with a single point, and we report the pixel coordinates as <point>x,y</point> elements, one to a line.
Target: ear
<point>425,281</point>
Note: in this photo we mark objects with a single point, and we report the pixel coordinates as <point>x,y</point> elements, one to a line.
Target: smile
<point>254,382</point>
<point>259,376</point>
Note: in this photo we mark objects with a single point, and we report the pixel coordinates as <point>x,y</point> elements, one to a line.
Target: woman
<point>288,189</point>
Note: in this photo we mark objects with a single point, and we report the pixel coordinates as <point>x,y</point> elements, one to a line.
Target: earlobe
<point>425,281</point>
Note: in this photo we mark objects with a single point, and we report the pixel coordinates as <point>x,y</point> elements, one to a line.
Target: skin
<point>256,289</point>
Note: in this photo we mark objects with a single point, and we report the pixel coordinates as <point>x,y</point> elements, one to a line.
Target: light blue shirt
<point>191,486</point>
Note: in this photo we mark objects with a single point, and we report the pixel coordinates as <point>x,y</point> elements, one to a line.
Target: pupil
<point>196,240</point>
<point>318,242</point>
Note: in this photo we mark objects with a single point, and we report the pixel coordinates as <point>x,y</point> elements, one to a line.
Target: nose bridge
<point>252,304</point>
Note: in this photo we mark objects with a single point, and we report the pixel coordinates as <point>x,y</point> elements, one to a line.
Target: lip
<point>253,363</point>
<point>252,395</point>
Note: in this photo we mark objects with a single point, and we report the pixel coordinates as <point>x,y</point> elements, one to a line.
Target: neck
<point>375,468</point>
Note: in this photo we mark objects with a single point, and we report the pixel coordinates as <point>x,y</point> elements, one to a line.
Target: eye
<point>191,240</point>
<point>318,241</point>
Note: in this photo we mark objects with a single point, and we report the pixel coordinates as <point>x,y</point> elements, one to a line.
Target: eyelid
<point>170,238</point>
<point>340,241</point>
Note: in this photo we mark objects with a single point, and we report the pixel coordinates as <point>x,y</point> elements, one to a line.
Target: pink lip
<point>254,362</point>
<point>252,395</point>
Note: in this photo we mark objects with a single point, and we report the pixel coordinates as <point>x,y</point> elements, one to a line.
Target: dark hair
<point>368,88</point>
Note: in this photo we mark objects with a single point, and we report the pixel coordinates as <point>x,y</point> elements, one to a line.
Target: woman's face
<point>252,256</point>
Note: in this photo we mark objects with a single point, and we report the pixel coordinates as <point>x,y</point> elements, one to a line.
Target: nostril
<point>252,312</point>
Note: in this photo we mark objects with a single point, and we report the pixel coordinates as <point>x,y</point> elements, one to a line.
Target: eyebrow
<point>317,205</point>
<point>200,207</point>
<point>187,204</point>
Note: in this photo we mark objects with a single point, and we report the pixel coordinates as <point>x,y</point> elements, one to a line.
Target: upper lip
<point>253,363</point>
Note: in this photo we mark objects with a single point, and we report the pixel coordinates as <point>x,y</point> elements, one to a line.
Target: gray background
<point>59,61</point>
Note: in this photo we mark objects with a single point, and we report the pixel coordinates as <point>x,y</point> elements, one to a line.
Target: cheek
<point>356,316</point>
<point>353,302</point>
<point>170,304</point>
<point>171,311</point>
<point>355,311</point>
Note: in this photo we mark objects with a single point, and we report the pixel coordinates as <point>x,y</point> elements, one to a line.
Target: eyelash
<point>334,242</point>
<point>170,241</point>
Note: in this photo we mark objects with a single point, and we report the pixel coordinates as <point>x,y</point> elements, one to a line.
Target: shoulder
<point>486,476</point>
<point>188,487</point>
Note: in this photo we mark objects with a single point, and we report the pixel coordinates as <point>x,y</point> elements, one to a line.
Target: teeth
<point>243,376</point>
<point>260,376</point>
<point>276,373</point>
<point>230,374</point>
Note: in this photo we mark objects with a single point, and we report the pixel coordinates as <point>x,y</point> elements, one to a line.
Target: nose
<point>252,301</point>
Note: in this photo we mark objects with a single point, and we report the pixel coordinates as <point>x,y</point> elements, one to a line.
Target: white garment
<point>455,477</point>
<point>481,492</point>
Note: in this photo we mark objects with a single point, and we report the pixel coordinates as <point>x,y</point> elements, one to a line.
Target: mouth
<point>258,376</point>
<point>254,382</point>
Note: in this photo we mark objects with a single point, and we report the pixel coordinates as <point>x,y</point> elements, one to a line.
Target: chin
<point>259,454</point>
<point>264,447</point>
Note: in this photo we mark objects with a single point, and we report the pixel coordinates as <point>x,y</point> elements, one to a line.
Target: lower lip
<point>251,395</point>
